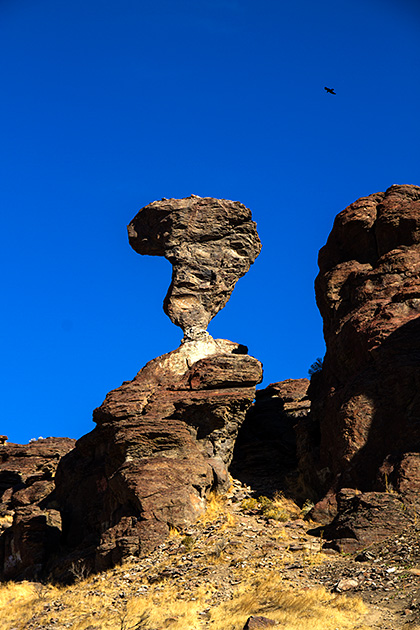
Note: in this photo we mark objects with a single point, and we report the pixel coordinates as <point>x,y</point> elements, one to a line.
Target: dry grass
<point>302,610</point>
<point>217,509</point>
<point>225,575</point>
<point>6,521</point>
<point>96,602</point>
<point>279,508</point>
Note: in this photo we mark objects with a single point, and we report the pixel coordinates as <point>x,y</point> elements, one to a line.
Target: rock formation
<point>27,499</point>
<point>265,455</point>
<point>27,471</point>
<point>365,427</point>
<point>211,243</point>
<point>164,440</point>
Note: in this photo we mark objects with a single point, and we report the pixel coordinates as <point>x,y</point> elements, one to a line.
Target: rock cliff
<point>265,454</point>
<point>365,431</point>
<point>166,439</point>
<point>30,521</point>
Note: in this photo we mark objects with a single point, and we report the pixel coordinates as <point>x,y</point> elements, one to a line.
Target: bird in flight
<point>329,90</point>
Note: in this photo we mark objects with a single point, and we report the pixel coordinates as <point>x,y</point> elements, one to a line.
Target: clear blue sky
<point>107,105</point>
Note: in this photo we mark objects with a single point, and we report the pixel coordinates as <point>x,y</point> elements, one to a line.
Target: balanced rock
<point>211,243</point>
<point>165,440</point>
<point>366,399</point>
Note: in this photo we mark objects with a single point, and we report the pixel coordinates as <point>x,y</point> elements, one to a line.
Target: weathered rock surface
<point>31,524</point>
<point>211,243</point>
<point>265,452</point>
<point>366,518</point>
<point>163,441</point>
<point>365,422</point>
<point>27,471</point>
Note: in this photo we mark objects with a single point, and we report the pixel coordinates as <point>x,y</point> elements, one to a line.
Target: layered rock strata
<point>365,431</point>
<point>163,441</point>
<point>210,243</point>
<point>30,521</point>
<point>27,471</point>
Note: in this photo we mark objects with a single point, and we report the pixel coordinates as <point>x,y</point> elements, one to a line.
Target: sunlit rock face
<point>366,398</point>
<point>211,243</point>
<point>164,440</point>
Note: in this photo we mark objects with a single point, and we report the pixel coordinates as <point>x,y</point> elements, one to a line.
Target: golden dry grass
<point>279,508</point>
<point>126,598</point>
<point>6,521</point>
<point>295,610</point>
<point>95,602</point>
<point>216,508</point>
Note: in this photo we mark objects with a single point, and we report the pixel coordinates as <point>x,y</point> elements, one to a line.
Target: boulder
<point>210,243</point>
<point>366,518</point>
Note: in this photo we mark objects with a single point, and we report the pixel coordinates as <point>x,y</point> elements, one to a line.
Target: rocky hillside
<point>321,467</point>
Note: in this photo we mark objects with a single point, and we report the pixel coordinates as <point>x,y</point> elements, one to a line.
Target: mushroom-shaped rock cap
<point>211,243</point>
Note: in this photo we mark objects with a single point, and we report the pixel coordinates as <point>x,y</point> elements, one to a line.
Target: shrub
<point>316,366</point>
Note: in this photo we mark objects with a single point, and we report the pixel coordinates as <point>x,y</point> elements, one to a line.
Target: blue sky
<point>107,105</point>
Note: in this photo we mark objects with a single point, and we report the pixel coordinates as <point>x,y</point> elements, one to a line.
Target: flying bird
<point>329,90</point>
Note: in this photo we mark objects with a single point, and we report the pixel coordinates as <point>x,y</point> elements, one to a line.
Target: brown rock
<point>27,545</point>
<point>24,465</point>
<point>255,622</point>
<point>163,441</point>
<point>346,584</point>
<point>265,451</point>
<point>365,518</point>
<point>366,399</point>
<point>292,390</point>
<point>211,243</point>
<point>27,492</point>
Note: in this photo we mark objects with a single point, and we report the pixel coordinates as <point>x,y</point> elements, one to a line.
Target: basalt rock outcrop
<point>365,420</point>
<point>164,440</point>
<point>265,454</point>
<point>30,521</point>
<point>27,471</point>
<point>211,243</point>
